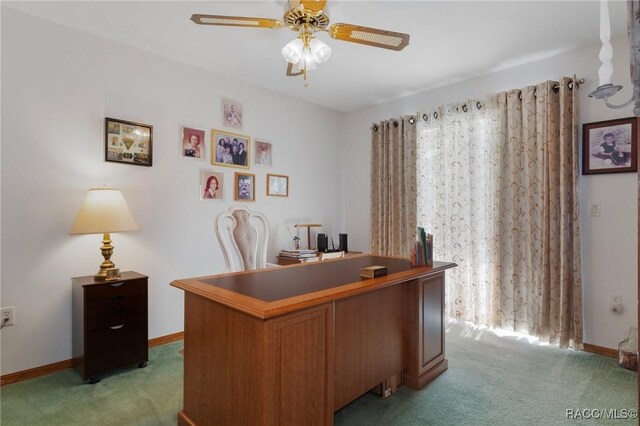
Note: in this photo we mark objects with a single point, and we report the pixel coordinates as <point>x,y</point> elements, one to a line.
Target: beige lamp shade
<point>104,210</point>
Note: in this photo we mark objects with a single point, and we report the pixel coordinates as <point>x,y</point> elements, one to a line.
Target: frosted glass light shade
<point>292,52</point>
<point>309,62</point>
<point>320,50</point>
<point>104,210</point>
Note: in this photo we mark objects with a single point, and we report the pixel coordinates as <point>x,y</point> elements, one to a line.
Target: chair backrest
<point>243,236</point>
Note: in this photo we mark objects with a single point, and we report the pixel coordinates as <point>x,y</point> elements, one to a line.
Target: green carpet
<point>490,381</point>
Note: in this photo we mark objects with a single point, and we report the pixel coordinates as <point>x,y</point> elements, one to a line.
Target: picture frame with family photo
<point>193,142</point>
<point>244,187</point>
<point>263,153</point>
<point>610,146</point>
<point>230,149</point>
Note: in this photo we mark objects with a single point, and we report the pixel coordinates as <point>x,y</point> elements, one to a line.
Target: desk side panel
<point>425,342</point>
<point>300,367</point>
<point>223,365</point>
<point>370,334</point>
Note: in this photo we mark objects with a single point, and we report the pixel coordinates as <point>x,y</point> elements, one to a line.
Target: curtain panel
<point>393,186</point>
<point>536,255</point>
<point>497,185</point>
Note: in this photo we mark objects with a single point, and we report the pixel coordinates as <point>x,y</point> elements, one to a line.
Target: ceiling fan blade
<point>369,36</point>
<point>236,21</point>
<point>293,71</point>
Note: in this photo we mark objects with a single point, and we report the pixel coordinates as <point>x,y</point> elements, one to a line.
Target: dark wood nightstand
<point>110,329</point>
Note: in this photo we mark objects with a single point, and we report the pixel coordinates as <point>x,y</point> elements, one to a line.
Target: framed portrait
<point>192,143</point>
<point>610,146</point>
<point>262,155</point>
<point>231,114</point>
<point>278,185</point>
<point>128,142</point>
<point>211,185</point>
<point>244,188</point>
<point>230,149</point>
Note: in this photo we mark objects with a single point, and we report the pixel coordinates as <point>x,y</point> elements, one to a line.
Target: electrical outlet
<point>616,299</point>
<point>615,303</point>
<point>7,313</point>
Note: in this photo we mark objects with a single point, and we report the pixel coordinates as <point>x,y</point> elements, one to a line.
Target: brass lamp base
<point>108,270</point>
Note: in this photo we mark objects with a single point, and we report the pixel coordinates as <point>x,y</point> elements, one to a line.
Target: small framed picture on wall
<point>231,114</point>
<point>192,143</point>
<point>211,185</point>
<point>263,153</point>
<point>610,146</point>
<point>229,149</point>
<point>278,185</point>
<point>244,188</point>
<point>128,142</point>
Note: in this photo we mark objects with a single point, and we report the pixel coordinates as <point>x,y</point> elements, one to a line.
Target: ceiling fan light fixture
<point>292,52</point>
<point>309,62</point>
<point>321,51</point>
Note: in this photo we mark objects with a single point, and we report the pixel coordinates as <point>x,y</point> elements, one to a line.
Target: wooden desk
<point>291,345</point>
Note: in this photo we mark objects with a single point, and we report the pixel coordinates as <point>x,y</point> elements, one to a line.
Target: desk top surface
<point>273,291</point>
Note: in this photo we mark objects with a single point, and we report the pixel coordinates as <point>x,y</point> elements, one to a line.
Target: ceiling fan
<point>307,17</point>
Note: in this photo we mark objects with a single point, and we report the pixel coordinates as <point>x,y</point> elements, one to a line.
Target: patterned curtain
<point>536,256</point>
<point>455,191</point>
<point>393,186</point>
<point>498,188</point>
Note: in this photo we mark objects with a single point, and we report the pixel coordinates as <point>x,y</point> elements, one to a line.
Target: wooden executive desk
<point>291,345</point>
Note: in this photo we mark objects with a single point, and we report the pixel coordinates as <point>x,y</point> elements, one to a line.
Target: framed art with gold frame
<point>230,149</point>
<point>277,185</point>
<point>244,187</point>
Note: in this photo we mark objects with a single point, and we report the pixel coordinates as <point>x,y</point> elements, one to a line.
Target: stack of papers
<point>298,254</point>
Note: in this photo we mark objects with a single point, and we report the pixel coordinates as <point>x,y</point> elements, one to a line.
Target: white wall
<point>58,85</point>
<point>608,242</point>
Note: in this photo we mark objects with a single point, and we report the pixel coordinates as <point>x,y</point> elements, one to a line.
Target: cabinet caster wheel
<point>94,380</point>
<point>142,365</point>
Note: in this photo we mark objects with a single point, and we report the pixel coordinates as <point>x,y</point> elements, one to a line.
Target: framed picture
<point>263,153</point>
<point>278,185</point>
<point>128,142</point>
<point>211,185</point>
<point>244,188</point>
<point>610,146</point>
<point>231,114</point>
<point>229,149</point>
<point>192,143</point>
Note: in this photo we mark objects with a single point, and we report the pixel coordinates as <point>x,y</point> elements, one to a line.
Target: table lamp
<point>103,211</point>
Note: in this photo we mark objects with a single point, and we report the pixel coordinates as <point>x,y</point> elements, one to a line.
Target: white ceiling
<point>450,40</point>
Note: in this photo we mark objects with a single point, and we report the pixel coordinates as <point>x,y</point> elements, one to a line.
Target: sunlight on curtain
<point>498,189</point>
<point>455,193</point>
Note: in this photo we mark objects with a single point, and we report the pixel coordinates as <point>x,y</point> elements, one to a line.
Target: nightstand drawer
<point>116,346</point>
<point>101,320</point>
<point>116,296</point>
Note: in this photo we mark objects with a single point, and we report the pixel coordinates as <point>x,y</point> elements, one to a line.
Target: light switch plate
<point>594,209</point>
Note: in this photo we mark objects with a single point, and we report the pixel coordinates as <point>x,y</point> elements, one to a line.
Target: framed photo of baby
<point>211,185</point>
<point>610,146</point>
<point>231,114</point>
<point>263,153</point>
<point>229,149</point>
<point>244,188</point>
<point>193,143</point>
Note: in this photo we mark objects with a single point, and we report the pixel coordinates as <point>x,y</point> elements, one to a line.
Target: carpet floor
<point>491,381</point>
